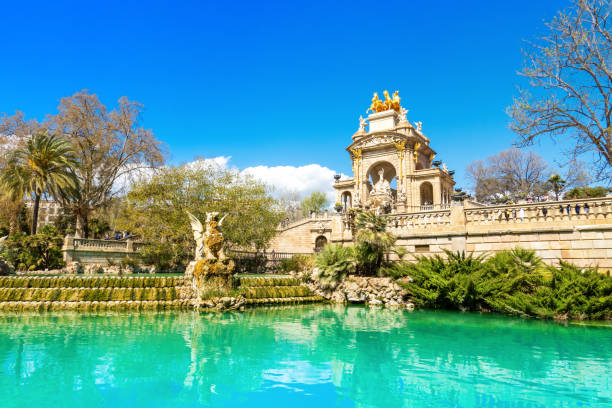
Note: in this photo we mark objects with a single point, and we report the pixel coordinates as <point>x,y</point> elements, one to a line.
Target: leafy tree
<point>511,173</point>
<point>111,146</point>
<point>98,227</point>
<point>557,183</point>
<point>156,206</point>
<point>570,72</point>
<point>316,202</point>
<point>34,252</point>
<point>587,192</point>
<point>45,165</point>
<point>12,216</point>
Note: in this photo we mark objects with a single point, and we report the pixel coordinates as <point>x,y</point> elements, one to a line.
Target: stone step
<point>95,306</point>
<point>302,299</point>
<point>257,292</point>
<point>92,281</point>
<point>268,281</point>
<point>93,294</point>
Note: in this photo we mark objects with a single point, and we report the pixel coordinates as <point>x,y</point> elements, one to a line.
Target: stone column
<point>68,248</point>
<point>437,194</point>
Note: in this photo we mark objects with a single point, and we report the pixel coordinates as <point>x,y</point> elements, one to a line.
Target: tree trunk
<point>35,213</point>
<point>82,231</point>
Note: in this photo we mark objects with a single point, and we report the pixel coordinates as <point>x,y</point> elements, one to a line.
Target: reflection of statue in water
<point>382,186</point>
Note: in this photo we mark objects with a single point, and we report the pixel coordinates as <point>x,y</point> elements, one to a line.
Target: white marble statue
<point>402,115</point>
<point>444,167</point>
<point>419,126</point>
<point>209,241</point>
<point>382,186</point>
<point>198,235</point>
<point>362,124</point>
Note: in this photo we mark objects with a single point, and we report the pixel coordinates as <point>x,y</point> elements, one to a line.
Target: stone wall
<point>583,238</point>
<point>300,236</point>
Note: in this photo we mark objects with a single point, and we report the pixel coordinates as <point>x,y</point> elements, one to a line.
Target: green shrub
<point>297,263</point>
<point>372,242</point>
<point>34,252</point>
<point>512,282</point>
<point>334,262</point>
<point>164,256</point>
<point>132,263</point>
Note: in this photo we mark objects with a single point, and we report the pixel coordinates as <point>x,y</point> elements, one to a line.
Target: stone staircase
<point>94,293</point>
<point>275,290</point>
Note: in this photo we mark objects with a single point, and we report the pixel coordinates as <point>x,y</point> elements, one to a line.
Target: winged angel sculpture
<point>209,241</point>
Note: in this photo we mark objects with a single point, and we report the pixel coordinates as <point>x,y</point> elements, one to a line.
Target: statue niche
<point>381,195</point>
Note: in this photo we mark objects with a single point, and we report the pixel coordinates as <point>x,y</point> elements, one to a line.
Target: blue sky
<point>278,83</point>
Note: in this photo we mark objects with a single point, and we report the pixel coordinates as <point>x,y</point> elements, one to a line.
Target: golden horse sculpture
<point>389,103</point>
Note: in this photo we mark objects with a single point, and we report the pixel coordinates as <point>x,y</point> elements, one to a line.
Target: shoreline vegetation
<point>514,282</point>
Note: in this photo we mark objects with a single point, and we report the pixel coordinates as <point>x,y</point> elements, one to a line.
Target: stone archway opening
<point>426,195</point>
<point>346,199</point>
<point>382,189</point>
<point>384,168</point>
<point>320,242</point>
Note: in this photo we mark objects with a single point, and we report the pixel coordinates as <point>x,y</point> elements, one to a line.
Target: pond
<point>316,356</point>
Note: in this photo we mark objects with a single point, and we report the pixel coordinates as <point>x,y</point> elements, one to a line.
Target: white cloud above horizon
<point>295,181</point>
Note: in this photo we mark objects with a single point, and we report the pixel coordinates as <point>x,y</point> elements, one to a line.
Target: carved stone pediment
<point>377,140</point>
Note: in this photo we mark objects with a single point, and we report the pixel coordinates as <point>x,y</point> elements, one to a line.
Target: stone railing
<point>568,212</point>
<point>514,217</point>
<point>100,244</point>
<point>99,251</point>
<point>315,216</point>
<point>402,223</point>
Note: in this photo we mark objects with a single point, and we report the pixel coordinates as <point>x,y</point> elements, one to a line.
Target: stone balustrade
<point>99,251</point>
<point>581,235</point>
<point>561,213</point>
<point>402,223</point>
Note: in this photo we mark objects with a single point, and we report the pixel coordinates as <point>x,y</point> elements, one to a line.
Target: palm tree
<point>372,240</point>
<point>557,184</point>
<point>43,166</point>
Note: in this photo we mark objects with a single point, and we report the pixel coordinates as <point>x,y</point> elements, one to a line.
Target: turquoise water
<point>315,356</point>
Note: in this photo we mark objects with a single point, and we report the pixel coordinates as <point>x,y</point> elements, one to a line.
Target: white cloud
<point>302,180</point>
<point>220,161</point>
<point>298,180</point>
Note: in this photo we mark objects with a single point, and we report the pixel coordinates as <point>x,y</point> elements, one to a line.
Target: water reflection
<point>326,355</point>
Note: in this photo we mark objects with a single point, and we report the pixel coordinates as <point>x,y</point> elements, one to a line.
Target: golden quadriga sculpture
<point>388,104</point>
<point>212,269</point>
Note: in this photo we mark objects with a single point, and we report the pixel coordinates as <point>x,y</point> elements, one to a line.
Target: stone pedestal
<point>211,277</point>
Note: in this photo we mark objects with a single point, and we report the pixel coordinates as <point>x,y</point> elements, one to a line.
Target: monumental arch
<point>395,173</point>
<point>393,167</point>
